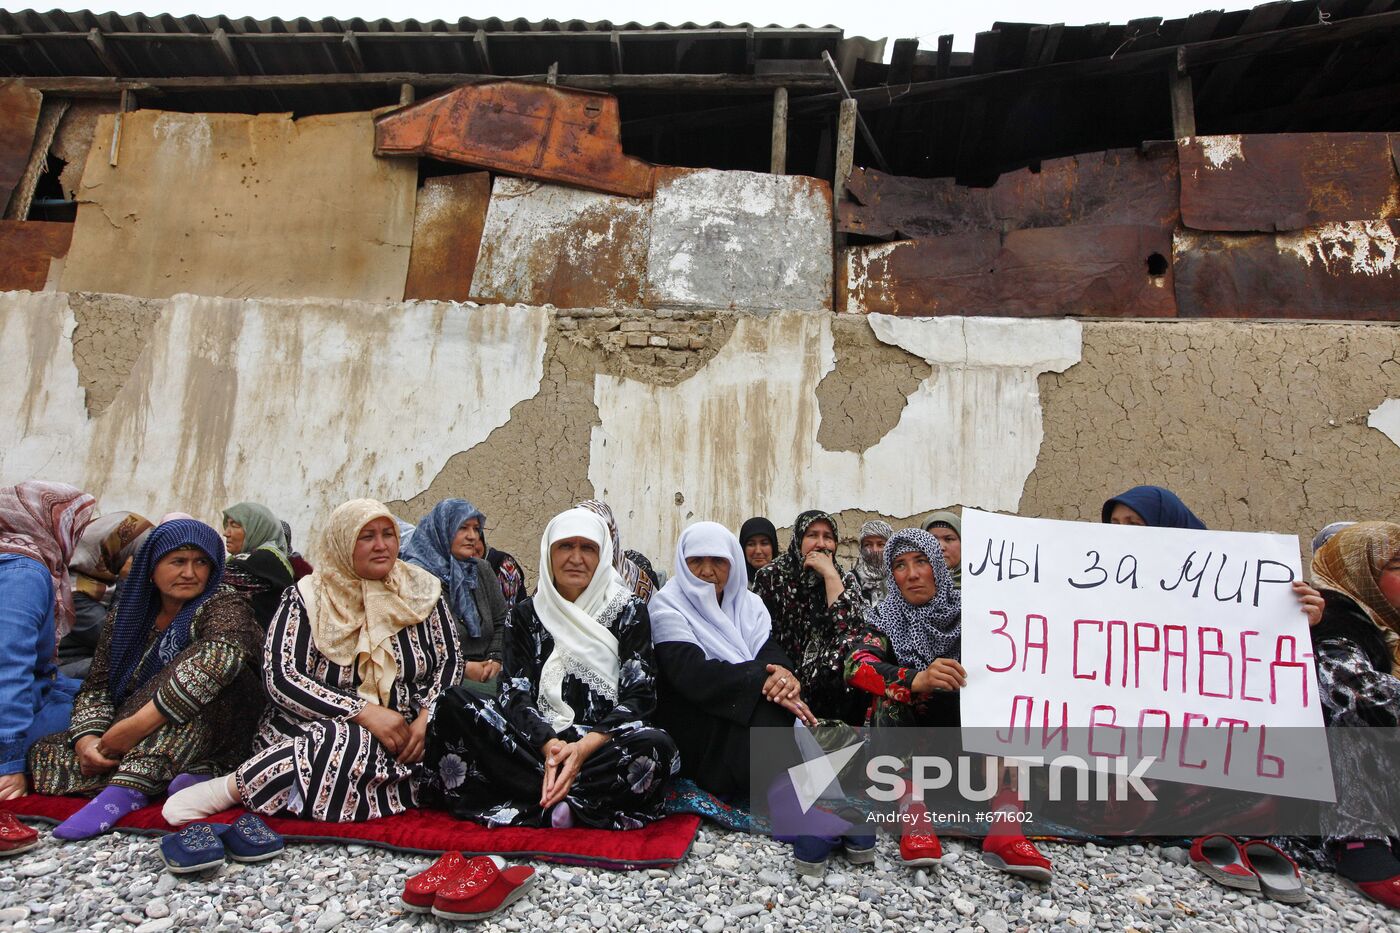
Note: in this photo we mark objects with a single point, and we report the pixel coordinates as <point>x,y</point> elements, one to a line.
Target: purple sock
<point>181,781</point>
<point>102,813</point>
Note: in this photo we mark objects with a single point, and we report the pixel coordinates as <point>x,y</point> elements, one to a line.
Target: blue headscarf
<point>1159,507</point>
<point>431,548</point>
<point>139,603</point>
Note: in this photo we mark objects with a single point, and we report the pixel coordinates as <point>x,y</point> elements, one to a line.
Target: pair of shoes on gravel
<point>1011,852</point>
<point>810,853</point>
<point>201,846</point>
<point>457,887</point>
<point>1256,866</point>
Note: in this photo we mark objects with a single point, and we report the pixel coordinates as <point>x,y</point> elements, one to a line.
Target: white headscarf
<point>583,647</point>
<point>686,609</point>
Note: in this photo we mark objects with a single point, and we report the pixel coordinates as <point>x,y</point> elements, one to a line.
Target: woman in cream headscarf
<point>577,690</point>
<point>355,658</point>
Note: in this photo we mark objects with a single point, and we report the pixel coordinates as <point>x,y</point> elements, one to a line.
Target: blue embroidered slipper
<point>249,839</point>
<point>193,849</point>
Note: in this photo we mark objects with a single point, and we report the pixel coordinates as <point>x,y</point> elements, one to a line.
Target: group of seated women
<point>396,674</point>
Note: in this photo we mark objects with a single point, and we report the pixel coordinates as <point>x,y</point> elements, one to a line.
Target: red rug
<point>431,832</point>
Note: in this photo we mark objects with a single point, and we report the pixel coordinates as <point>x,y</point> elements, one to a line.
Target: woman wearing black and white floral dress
<point>568,739</point>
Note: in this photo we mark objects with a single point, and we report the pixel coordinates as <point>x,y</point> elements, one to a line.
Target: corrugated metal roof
<point>60,43</point>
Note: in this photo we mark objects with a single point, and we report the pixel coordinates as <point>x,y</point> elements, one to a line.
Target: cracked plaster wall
<point>1258,426</point>
<point>297,404</point>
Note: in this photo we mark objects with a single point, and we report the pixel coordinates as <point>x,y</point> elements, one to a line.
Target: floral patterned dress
<point>816,636</point>
<point>484,755</point>
<point>873,668</point>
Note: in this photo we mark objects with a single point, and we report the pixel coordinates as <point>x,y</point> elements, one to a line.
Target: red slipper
<point>1385,892</point>
<point>419,891</point>
<point>15,837</point>
<point>1220,858</point>
<point>919,846</point>
<point>483,895</point>
<point>1016,855</point>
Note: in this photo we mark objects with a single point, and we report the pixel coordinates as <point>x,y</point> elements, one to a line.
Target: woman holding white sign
<point>1357,645</point>
<point>908,658</point>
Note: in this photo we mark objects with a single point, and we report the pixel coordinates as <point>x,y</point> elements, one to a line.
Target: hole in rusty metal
<point>1156,264</point>
<point>593,109</point>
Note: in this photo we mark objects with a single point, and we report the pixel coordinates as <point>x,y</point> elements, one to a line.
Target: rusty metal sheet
<point>547,244</point>
<point>1100,271</point>
<point>1349,271</point>
<point>904,208</point>
<point>744,240</point>
<point>27,247</point>
<point>1116,187</point>
<point>534,130</point>
<point>1286,181</point>
<point>447,229</point>
<point>19,115</point>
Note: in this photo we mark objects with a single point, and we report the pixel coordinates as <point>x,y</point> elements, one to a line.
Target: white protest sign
<point>1187,647</point>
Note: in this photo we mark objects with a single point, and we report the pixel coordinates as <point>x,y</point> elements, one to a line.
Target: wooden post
<point>778,162</point>
<point>127,103</point>
<point>1183,100</point>
<point>405,94</point>
<point>845,148</point>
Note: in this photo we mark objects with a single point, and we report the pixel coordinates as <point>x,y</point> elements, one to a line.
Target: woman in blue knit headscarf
<point>446,544</point>
<point>174,691</point>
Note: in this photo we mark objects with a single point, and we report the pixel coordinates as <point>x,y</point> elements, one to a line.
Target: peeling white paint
<point>1220,151</point>
<point>296,404</point>
<point>188,133</point>
<point>1362,247</point>
<point>708,239</point>
<point>739,240</point>
<point>861,287</point>
<point>739,437</point>
<point>1385,418</point>
<point>43,428</point>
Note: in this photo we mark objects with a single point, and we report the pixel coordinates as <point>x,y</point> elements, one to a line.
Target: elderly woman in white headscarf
<point>722,671</point>
<point>356,656</point>
<point>568,740</point>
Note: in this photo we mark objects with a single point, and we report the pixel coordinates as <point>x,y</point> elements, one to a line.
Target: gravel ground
<point>730,882</point>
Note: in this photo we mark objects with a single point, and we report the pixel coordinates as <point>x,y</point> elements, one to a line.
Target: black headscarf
<point>757,525</point>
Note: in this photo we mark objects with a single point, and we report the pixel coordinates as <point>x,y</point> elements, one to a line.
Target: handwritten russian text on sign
<point>1187,647</point>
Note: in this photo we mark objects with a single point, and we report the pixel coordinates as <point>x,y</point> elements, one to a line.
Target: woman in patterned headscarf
<point>870,565</point>
<point>816,608</point>
<point>103,552</point>
<point>1357,651</point>
<point>908,659</point>
<point>174,687</point>
<point>629,570</point>
<point>907,656</point>
<point>40,525</point>
<point>568,739</point>
<point>356,656</point>
<point>446,544</point>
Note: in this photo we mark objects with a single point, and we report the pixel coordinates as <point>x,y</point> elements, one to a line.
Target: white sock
<point>201,800</point>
